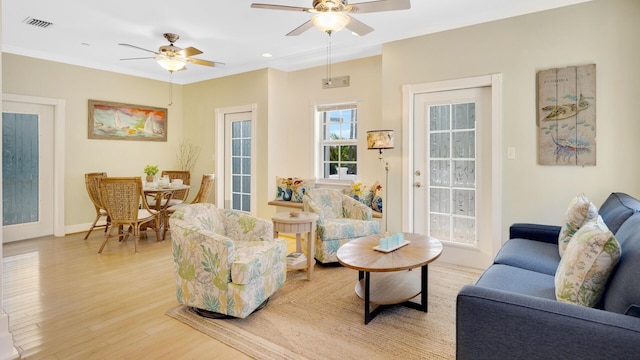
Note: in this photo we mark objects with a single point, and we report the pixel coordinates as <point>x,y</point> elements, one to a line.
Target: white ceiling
<point>87,32</point>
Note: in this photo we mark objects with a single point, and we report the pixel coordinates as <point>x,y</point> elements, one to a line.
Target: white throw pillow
<point>589,259</point>
<point>580,210</point>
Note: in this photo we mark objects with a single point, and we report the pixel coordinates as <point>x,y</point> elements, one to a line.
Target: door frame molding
<point>59,110</point>
<point>408,93</point>
<point>219,152</point>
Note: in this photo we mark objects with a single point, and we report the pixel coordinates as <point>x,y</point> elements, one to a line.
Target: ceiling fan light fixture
<point>330,21</point>
<point>171,64</point>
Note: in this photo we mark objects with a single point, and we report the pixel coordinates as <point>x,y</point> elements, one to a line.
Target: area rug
<point>323,319</point>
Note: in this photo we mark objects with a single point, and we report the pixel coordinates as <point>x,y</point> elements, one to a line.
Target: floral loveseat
<point>340,219</point>
<point>225,261</point>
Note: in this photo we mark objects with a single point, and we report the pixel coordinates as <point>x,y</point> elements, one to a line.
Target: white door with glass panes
<point>238,161</point>
<point>452,172</point>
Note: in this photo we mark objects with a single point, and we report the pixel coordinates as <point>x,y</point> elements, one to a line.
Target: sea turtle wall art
<point>566,116</point>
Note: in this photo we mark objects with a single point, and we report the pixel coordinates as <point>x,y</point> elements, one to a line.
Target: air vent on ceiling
<point>37,22</point>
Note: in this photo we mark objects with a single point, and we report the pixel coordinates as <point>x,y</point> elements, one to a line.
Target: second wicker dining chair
<point>124,200</point>
<point>202,196</point>
<point>179,196</point>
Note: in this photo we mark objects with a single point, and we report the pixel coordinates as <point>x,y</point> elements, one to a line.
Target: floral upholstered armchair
<point>340,219</point>
<point>226,262</point>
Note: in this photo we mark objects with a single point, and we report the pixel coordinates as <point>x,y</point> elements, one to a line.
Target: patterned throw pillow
<point>360,192</point>
<point>376,203</point>
<point>301,187</point>
<point>293,189</point>
<point>284,190</point>
<point>580,211</point>
<point>589,259</point>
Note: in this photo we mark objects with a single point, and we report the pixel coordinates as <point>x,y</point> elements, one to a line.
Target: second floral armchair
<point>341,219</point>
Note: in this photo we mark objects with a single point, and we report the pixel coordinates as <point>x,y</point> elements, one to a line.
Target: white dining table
<point>162,195</point>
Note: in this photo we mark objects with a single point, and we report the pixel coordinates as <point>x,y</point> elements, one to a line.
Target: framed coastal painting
<point>118,121</point>
<point>566,116</point>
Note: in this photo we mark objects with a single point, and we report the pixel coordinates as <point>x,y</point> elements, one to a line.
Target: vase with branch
<point>188,154</point>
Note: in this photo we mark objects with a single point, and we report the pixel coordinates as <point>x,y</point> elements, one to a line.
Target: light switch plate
<point>511,153</point>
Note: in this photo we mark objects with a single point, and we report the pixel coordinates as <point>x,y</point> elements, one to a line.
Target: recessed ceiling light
<point>267,55</point>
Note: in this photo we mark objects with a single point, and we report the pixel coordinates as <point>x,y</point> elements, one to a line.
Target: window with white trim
<point>338,141</point>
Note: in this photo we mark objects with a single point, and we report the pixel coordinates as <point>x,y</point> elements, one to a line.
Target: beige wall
<point>600,32</point>
<point>285,105</point>
<point>292,130</point>
<point>76,85</point>
<point>200,103</point>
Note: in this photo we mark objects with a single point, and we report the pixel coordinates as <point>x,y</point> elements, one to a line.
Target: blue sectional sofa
<point>512,313</point>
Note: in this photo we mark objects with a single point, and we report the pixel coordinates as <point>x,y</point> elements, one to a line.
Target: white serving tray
<point>377,248</point>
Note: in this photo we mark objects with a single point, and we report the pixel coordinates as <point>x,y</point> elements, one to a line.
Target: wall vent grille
<point>37,22</point>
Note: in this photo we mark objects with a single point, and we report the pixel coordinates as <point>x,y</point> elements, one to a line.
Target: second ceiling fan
<point>171,57</point>
<point>333,15</point>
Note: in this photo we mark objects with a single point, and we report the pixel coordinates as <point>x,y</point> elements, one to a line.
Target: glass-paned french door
<point>452,175</point>
<point>238,161</point>
<point>451,171</point>
<point>241,165</point>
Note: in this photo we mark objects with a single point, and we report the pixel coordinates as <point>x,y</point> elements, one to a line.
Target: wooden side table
<point>303,223</point>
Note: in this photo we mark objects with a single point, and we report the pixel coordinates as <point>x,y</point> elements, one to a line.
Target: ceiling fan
<point>332,15</point>
<point>173,58</point>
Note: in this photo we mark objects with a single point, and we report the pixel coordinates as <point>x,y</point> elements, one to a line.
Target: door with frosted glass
<point>238,161</point>
<point>451,148</point>
<point>27,170</point>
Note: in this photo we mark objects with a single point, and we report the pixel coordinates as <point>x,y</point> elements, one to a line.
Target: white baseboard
<point>72,229</point>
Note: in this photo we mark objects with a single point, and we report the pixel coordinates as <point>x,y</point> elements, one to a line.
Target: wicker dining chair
<point>202,196</point>
<point>179,196</point>
<point>124,200</point>
<point>92,182</point>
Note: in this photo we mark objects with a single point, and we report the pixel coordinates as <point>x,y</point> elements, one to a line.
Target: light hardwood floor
<point>66,301</point>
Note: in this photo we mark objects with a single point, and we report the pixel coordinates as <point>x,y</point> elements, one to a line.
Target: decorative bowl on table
<point>163,182</point>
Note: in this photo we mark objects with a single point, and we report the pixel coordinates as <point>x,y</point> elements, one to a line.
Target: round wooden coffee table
<point>396,283</point>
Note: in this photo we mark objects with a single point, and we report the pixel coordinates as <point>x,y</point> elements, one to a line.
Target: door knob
<point>417,184</point>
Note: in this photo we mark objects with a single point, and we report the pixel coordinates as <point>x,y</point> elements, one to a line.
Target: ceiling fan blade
<point>139,58</point>
<point>190,51</point>
<point>279,7</point>
<point>358,27</point>
<point>203,62</point>
<point>300,29</point>
<point>380,5</point>
<point>139,48</point>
